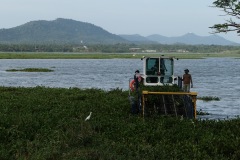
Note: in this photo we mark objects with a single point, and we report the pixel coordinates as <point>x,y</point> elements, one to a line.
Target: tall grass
<point>48,123</point>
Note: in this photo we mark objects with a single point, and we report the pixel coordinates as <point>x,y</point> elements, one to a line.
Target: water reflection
<point>211,77</point>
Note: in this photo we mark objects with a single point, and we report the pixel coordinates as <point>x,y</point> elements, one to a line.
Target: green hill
<point>59,31</point>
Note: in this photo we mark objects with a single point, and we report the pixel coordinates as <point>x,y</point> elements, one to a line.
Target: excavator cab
<point>158,71</point>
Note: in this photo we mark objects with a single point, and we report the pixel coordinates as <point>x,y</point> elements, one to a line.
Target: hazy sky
<point>144,17</point>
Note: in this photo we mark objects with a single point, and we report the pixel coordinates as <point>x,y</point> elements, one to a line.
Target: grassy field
<point>37,55</point>
<point>49,123</point>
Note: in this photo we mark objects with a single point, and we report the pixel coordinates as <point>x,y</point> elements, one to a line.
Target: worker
<point>155,69</point>
<point>137,79</point>
<point>187,81</point>
<point>135,109</point>
<point>162,67</point>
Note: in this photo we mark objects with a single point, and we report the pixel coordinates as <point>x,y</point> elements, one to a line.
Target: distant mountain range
<point>67,31</point>
<point>189,38</point>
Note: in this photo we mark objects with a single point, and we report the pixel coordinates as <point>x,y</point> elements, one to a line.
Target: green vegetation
<point>209,98</point>
<point>60,31</point>
<point>30,70</point>
<point>200,112</point>
<point>118,48</point>
<point>45,55</point>
<point>232,11</point>
<point>48,123</point>
<point>62,56</point>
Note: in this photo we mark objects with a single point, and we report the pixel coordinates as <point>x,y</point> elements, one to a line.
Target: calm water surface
<point>211,77</point>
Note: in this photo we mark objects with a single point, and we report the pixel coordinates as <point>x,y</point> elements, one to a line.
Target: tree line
<point>116,48</point>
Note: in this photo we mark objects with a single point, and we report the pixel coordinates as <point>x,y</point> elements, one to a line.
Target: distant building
<point>150,51</point>
<point>182,51</point>
<point>80,49</point>
<point>134,49</point>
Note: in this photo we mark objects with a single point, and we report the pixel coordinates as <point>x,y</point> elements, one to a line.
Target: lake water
<point>218,77</point>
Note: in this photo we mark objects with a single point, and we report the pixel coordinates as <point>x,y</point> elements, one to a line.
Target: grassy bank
<point>48,123</point>
<point>46,55</point>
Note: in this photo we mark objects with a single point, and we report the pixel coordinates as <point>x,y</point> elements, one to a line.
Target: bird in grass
<point>193,123</point>
<point>181,119</point>
<point>88,117</point>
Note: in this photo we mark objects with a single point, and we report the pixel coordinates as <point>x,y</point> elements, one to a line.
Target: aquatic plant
<point>201,112</point>
<point>208,98</point>
<point>49,123</point>
<point>30,70</point>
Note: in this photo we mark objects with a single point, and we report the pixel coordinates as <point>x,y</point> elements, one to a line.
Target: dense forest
<point>116,48</point>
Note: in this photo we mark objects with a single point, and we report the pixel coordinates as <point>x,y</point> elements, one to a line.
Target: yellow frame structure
<point>192,94</point>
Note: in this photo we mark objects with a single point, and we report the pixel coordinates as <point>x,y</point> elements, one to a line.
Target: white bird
<point>88,117</point>
<point>181,119</point>
<point>193,123</point>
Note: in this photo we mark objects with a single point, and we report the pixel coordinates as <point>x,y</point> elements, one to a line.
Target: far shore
<point>71,55</point>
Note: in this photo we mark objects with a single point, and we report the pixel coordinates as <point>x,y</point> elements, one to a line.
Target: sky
<point>143,17</point>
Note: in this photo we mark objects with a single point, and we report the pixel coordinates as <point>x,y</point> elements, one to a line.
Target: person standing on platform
<point>187,81</point>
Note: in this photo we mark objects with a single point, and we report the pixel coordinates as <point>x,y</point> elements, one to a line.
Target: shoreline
<point>72,55</point>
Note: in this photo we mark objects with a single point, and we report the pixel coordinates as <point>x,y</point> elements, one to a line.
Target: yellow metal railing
<point>192,94</point>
